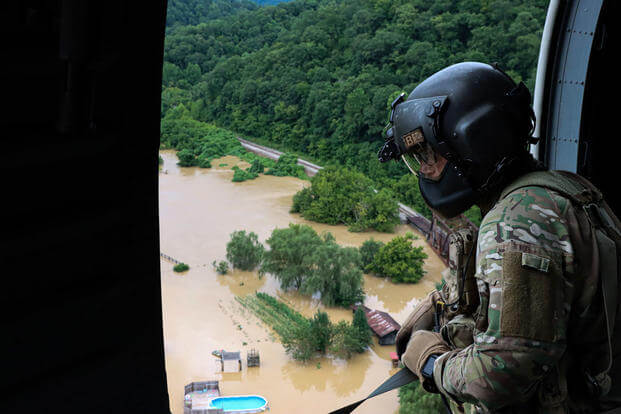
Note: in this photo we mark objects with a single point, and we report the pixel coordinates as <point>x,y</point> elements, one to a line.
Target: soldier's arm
<point>522,251</point>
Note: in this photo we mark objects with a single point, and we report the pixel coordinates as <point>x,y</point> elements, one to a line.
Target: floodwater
<point>199,208</point>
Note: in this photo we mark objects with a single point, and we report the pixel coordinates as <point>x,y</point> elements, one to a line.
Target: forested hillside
<point>317,76</point>
<point>192,12</point>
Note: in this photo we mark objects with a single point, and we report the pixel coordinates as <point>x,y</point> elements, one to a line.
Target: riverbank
<point>199,208</point>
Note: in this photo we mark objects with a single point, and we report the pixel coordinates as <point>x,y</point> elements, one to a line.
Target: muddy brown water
<point>199,208</point>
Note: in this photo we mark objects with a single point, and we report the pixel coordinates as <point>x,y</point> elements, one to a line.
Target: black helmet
<point>477,118</point>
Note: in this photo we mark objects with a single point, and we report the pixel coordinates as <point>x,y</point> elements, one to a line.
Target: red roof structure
<point>380,322</point>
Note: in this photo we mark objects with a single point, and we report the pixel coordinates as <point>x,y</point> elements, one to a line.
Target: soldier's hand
<point>421,346</point>
<point>421,318</point>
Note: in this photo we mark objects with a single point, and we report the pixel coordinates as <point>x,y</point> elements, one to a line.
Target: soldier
<point>526,320</point>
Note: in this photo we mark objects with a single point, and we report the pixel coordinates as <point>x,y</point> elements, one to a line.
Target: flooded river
<point>199,208</point>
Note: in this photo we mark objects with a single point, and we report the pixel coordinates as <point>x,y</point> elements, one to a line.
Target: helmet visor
<point>420,157</point>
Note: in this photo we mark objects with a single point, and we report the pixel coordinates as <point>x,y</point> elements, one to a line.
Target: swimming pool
<point>240,404</point>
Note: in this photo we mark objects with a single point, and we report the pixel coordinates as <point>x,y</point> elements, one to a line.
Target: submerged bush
<point>181,267</point>
<point>222,267</point>
<point>287,165</point>
<point>243,175</point>
<point>257,167</point>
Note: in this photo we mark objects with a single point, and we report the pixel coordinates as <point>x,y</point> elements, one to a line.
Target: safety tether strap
<point>403,377</point>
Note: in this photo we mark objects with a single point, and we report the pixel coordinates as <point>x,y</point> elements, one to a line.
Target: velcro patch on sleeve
<point>531,296</point>
<point>532,261</point>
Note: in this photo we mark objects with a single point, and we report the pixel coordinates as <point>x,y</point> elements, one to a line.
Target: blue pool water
<point>238,403</point>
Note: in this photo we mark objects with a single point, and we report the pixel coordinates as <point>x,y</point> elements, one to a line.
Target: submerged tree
<point>289,258</point>
<point>368,250</point>
<point>363,331</point>
<point>343,196</point>
<point>321,331</point>
<point>336,274</point>
<point>244,251</point>
<point>399,260</point>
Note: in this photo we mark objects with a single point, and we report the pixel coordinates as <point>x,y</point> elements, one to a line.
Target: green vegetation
<point>336,274</point>
<point>244,251</point>
<point>343,196</point>
<point>316,77</point>
<point>368,250</point>
<point>351,338</point>
<point>257,167</point>
<point>414,399</point>
<point>408,193</point>
<point>184,12</point>
<point>304,338</point>
<point>222,267</point>
<point>160,160</point>
<point>399,260</point>
<point>289,258</point>
<point>474,215</point>
<point>243,175</point>
<point>181,267</point>
<point>287,165</point>
<point>199,143</point>
<point>299,258</point>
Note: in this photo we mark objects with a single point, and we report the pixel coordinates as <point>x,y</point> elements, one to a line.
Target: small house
<point>382,325</point>
<point>231,361</point>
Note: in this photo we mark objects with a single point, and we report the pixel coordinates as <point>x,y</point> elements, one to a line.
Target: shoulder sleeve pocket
<point>532,294</point>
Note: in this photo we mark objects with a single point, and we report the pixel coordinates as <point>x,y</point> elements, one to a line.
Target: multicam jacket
<point>534,265</point>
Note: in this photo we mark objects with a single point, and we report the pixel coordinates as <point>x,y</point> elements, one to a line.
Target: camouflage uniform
<point>528,280</point>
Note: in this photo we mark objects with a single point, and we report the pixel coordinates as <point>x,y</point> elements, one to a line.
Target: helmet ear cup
<point>480,136</point>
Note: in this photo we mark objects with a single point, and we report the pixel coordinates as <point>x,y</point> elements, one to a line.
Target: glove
<point>422,345</point>
<point>421,318</point>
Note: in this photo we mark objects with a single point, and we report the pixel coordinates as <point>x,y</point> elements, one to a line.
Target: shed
<point>395,359</point>
<point>382,325</point>
<point>231,361</point>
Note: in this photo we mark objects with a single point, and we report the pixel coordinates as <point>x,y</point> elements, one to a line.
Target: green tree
<point>361,326</point>
<point>287,165</point>
<point>244,251</point>
<point>345,341</point>
<point>336,275</point>
<point>414,399</point>
<point>243,175</point>
<point>186,158</point>
<point>289,258</point>
<point>256,167</point>
<point>368,250</point>
<point>321,331</point>
<point>399,260</point>
<point>299,342</point>
<point>343,196</point>
<point>406,190</point>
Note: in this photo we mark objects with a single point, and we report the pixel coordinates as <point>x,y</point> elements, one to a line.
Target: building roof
<point>226,356</point>
<point>380,322</point>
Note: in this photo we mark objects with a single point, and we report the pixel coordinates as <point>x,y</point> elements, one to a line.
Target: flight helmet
<point>474,116</point>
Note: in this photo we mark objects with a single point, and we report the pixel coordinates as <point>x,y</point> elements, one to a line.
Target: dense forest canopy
<point>191,12</point>
<point>317,76</point>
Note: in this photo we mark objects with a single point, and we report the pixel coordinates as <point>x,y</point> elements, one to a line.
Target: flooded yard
<point>199,208</point>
